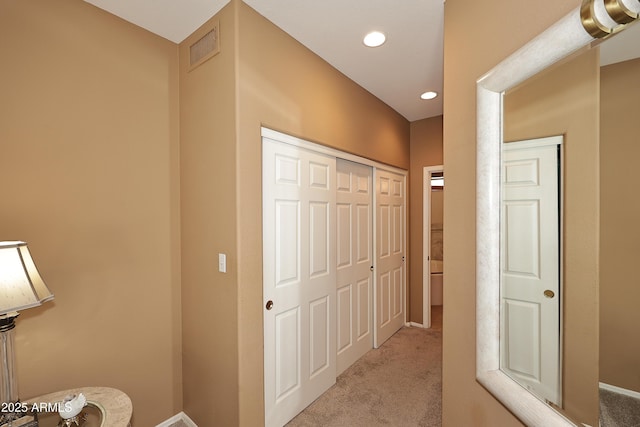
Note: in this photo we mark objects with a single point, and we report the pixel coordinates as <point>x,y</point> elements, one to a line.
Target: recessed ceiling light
<point>429,95</point>
<point>374,39</point>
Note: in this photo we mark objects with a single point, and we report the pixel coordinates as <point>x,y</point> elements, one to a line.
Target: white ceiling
<point>408,64</point>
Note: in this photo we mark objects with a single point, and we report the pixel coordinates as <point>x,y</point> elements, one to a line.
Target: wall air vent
<point>205,48</point>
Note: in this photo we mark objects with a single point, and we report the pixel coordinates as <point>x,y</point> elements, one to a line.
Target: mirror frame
<point>559,41</point>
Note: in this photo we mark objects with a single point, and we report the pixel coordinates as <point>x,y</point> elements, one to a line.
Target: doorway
<point>433,242</point>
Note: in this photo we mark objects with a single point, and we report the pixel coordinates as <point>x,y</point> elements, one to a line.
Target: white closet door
<point>299,283</point>
<point>390,243</point>
<point>530,262</point>
<point>354,216</point>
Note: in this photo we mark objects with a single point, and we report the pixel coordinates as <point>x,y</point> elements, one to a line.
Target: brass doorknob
<point>269,305</point>
<point>549,293</point>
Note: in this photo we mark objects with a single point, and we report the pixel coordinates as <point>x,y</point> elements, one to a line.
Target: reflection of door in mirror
<point>433,246</point>
<point>619,227</point>
<point>563,100</point>
<point>530,265</point>
<point>437,237</point>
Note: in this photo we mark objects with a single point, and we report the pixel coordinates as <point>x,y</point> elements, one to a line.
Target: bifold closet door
<point>390,254</point>
<point>299,283</point>
<point>354,298</point>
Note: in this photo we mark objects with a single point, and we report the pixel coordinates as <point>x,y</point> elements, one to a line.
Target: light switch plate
<point>222,263</point>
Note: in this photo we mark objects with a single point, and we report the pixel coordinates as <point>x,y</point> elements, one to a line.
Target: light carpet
<point>618,410</point>
<point>398,384</point>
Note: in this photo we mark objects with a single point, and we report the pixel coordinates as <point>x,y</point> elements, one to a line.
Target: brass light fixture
<point>601,18</point>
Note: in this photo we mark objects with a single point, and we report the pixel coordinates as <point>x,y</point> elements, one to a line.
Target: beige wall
<point>426,150</point>
<point>89,164</point>
<point>564,101</point>
<point>478,35</point>
<point>619,231</point>
<point>286,87</point>
<point>208,203</point>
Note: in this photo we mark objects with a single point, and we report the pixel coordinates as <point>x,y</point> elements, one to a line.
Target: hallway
<point>398,384</point>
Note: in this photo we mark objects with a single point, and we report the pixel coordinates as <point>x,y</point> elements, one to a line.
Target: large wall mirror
<point>555,296</point>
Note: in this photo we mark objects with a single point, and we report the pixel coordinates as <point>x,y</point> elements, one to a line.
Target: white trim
<point>178,417</point>
<point>405,257</point>
<point>416,325</point>
<point>426,242</point>
<point>374,254</point>
<point>620,390</point>
<point>560,40</point>
<point>323,149</point>
<point>534,143</point>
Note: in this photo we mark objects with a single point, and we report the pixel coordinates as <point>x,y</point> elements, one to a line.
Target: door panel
<point>344,229</point>
<point>523,332</point>
<point>385,299</point>
<point>298,277</point>
<point>345,314</point>
<point>397,228</point>
<point>384,234</point>
<point>287,344</point>
<point>319,336</point>
<point>319,242</point>
<point>530,258</point>
<point>363,313</point>
<point>397,292</point>
<point>354,216</point>
<point>390,270</point>
<point>363,223</point>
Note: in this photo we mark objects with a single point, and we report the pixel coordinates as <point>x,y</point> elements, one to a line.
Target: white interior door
<point>390,243</point>
<point>299,283</point>
<point>530,262</point>
<point>354,261</point>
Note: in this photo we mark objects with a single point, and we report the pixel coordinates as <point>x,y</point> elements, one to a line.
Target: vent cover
<point>205,48</point>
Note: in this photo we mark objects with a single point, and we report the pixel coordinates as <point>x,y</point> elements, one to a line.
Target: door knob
<point>549,293</point>
<point>269,305</point>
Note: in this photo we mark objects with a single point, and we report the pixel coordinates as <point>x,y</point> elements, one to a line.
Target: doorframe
<point>426,242</point>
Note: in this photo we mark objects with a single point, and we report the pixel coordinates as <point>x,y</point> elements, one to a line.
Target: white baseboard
<point>620,390</point>
<point>415,325</point>
<point>179,417</point>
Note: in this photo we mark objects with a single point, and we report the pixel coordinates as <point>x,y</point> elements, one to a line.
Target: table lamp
<point>21,287</point>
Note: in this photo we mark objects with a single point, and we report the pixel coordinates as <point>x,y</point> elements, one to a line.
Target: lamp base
<point>27,420</point>
<point>78,420</point>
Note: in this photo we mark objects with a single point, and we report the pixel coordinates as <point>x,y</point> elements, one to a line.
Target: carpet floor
<point>618,410</point>
<point>398,384</point>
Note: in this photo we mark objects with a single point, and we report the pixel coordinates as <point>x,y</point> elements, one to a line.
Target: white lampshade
<point>21,286</point>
